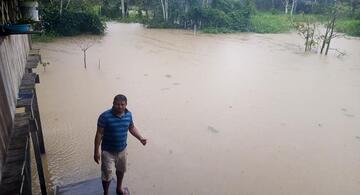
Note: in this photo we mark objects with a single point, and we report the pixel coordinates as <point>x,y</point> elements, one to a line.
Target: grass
<point>131,19</point>
<point>348,26</point>
<point>309,17</point>
<point>269,23</point>
<point>213,30</point>
<point>45,37</point>
<point>277,23</point>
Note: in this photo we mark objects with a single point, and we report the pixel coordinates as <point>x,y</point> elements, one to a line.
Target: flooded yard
<point>223,114</point>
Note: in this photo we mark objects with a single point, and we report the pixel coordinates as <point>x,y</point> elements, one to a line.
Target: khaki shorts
<point>108,159</point>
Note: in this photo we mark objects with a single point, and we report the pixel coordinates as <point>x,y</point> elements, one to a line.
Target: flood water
<point>223,114</point>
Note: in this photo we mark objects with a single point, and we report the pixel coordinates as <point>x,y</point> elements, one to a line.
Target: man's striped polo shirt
<point>115,130</point>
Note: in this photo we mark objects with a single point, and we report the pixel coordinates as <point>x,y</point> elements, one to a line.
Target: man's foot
<point>106,185</point>
<point>124,191</point>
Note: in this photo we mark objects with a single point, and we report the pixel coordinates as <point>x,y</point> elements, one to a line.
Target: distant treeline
<point>207,15</point>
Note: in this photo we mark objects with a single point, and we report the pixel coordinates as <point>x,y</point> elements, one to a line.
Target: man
<point>112,128</point>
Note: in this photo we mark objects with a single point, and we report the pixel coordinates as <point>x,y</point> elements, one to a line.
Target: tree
<point>286,5</point>
<point>165,9</point>
<point>293,6</point>
<point>307,31</point>
<point>84,45</point>
<point>330,26</point>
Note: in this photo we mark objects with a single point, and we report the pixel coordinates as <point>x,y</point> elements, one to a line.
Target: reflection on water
<point>224,114</point>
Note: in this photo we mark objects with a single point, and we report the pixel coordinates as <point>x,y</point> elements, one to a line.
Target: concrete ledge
<point>91,186</point>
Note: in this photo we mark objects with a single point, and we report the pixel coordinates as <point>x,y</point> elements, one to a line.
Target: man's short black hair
<point>120,98</point>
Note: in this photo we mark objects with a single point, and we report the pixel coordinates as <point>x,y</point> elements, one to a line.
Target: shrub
<point>238,21</point>
<point>71,22</point>
<point>215,18</point>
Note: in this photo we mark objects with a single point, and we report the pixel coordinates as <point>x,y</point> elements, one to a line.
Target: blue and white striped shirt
<point>115,130</point>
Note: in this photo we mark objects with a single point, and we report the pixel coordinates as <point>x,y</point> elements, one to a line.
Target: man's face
<point>119,107</point>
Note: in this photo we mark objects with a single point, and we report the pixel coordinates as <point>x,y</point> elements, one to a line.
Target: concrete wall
<point>13,53</point>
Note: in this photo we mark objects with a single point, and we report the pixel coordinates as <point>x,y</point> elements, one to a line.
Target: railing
<point>16,177</point>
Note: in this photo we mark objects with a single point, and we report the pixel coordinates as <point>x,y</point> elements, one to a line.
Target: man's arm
<point>98,138</point>
<point>134,131</point>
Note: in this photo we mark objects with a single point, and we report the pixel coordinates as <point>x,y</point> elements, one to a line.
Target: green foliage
<point>71,22</point>
<point>349,27</point>
<point>222,5</point>
<point>309,17</point>
<point>219,16</point>
<point>44,64</point>
<point>160,24</point>
<point>223,16</point>
<point>45,37</point>
<point>132,19</point>
<point>214,18</point>
<point>239,22</point>
<point>111,11</point>
<point>25,21</point>
<point>268,23</point>
<point>213,30</point>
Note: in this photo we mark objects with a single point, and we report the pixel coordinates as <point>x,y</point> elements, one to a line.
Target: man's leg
<point>107,160</point>
<point>106,185</point>
<point>119,176</point>
<point>120,165</point>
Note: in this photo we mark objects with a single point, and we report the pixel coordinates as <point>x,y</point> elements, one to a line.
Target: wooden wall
<point>9,11</point>
<point>13,53</point>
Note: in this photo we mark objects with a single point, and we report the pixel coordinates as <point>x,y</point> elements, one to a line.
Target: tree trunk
<point>84,58</point>
<point>61,7</point>
<point>312,36</point>
<point>163,9</point>
<point>329,29</point>
<point>286,6</point>
<point>67,4</point>
<point>123,8</point>
<point>325,38</point>
<point>307,37</point>
<point>166,9</point>
<point>293,5</point>
<point>205,3</point>
<point>331,34</point>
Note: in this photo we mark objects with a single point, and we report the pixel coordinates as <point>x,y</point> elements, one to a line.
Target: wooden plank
<point>34,138</point>
<point>25,99</point>
<point>33,58</point>
<point>22,116</point>
<point>34,51</point>
<point>31,64</point>
<point>29,79</point>
<point>22,87</point>
<point>20,33</point>
<point>23,103</point>
<point>13,176</point>
<point>36,114</point>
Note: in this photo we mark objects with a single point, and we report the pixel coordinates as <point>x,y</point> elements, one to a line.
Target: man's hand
<point>97,157</point>
<point>98,138</point>
<point>143,141</point>
<point>134,131</point>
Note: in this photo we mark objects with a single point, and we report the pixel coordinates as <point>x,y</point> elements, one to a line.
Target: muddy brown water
<point>223,114</point>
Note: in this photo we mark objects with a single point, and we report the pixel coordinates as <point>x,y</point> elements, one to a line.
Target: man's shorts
<point>108,159</point>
